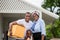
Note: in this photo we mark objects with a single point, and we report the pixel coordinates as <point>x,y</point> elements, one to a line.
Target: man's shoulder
<point>21,19</point>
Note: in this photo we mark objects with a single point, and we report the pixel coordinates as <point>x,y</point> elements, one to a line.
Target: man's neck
<point>27,21</point>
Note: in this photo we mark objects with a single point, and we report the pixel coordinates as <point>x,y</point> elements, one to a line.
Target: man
<point>38,27</point>
<point>26,22</point>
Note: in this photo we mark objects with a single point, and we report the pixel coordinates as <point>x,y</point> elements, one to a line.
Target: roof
<point>15,6</point>
<point>36,3</point>
<point>21,6</point>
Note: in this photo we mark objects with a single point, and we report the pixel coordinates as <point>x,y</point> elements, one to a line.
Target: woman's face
<point>35,17</point>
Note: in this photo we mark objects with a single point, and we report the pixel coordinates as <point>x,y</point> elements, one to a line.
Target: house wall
<point>48,19</point>
<point>0,27</point>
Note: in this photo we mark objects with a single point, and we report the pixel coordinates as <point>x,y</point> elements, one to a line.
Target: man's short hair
<point>28,13</point>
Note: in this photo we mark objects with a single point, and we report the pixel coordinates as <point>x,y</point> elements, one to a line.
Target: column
<point>0,27</point>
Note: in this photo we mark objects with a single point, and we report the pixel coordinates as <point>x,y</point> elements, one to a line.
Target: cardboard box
<point>17,31</point>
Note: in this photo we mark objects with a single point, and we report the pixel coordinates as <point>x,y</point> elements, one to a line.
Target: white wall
<point>0,27</point>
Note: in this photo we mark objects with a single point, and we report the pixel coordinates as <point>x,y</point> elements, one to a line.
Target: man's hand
<point>10,27</point>
<point>10,33</point>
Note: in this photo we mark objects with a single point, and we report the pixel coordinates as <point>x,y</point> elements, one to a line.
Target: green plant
<point>49,34</point>
<point>53,30</point>
<point>56,29</point>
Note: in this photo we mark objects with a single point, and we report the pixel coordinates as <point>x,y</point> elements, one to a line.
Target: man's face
<point>27,17</point>
<point>35,16</point>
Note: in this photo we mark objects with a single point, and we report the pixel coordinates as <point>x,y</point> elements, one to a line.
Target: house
<point>11,10</point>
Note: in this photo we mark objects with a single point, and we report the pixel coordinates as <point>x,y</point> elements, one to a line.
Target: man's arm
<point>10,27</point>
<point>18,22</point>
<point>10,24</point>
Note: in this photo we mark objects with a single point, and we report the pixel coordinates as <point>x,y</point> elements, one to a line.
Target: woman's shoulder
<point>40,20</point>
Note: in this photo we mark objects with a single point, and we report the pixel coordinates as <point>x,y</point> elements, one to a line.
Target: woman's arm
<point>42,37</point>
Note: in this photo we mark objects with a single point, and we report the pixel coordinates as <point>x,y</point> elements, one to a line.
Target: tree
<point>51,5</point>
<point>53,30</point>
<point>58,11</point>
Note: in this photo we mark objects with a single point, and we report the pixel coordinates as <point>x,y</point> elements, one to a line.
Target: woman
<point>38,27</point>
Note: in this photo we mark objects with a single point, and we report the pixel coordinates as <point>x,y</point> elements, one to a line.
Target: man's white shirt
<point>27,25</point>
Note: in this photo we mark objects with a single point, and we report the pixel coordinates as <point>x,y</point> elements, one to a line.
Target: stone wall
<point>55,39</point>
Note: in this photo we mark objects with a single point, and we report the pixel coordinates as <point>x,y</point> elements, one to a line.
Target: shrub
<point>53,30</point>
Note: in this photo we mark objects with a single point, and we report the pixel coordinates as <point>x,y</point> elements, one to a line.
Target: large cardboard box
<point>17,31</point>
